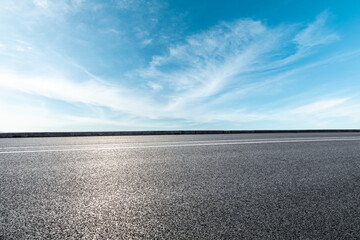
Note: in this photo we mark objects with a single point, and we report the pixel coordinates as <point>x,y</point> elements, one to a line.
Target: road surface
<point>235,186</point>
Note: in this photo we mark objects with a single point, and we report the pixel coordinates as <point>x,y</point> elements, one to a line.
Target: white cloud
<point>316,33</point>
<point>329,109</point>
<point>209,60</point>
<point>27,116</point>
<point>155,86</point>
<point>326,113</point>
<point>206,64</point>
<point>20,48</point>
<point>320,106</point>
<point>146,42</point>
<point>230,59</point>
<point>41,3</point>
<point>89,92</point>
<point>15,46</point>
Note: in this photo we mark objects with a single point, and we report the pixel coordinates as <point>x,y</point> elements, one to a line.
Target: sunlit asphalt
<point>236,186</point>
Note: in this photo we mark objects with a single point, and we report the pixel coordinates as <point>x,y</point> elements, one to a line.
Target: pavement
<point>223,186</point>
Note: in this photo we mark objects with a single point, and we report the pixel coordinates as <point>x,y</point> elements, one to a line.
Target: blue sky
<point>76,65</point>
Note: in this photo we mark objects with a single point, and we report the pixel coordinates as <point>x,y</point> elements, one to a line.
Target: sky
<point>88,65</point>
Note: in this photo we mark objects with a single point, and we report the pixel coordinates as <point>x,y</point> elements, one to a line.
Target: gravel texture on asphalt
<point>286,190</point>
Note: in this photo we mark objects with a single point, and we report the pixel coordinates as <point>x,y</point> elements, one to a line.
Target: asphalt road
<point>247,186</point>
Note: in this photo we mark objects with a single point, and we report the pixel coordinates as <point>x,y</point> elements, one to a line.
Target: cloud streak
<point>316,33</point>
<point>211,64</point>
<point>88,92</point>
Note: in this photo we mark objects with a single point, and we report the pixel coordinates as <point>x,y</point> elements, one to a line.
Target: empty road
<point>224,186</point>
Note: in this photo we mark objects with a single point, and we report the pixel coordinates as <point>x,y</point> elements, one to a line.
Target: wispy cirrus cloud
<point>231,56</point>
<point>319,106</point>
<point>203,65</point>
<point>330,108</point>
<point>316,33</point>
<point>89,92</point>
